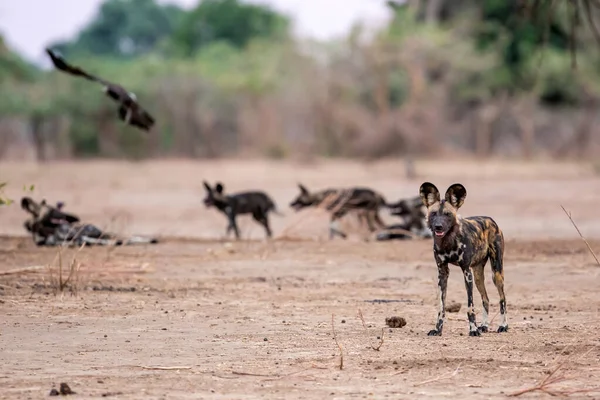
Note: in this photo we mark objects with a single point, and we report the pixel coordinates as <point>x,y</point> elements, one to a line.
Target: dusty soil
<point>197,316</point>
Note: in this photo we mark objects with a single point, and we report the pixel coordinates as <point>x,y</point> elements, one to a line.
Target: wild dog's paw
<point>482,329</point>
<point>502,329</point>
<point>474,333</point>
<point>434,332</point>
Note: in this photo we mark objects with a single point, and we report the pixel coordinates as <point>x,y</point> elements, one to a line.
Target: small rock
<point>65,389</point>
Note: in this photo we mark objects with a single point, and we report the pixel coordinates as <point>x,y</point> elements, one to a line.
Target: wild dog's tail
<point>383,203</point>
<point>273,208</point>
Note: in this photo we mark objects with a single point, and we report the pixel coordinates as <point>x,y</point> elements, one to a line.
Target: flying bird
<point>130,110</point>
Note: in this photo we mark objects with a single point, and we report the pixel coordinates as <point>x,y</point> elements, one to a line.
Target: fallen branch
<point>23,270</point>
<point>164,368</point>
<point>251,374</point>
<point>580,235</point>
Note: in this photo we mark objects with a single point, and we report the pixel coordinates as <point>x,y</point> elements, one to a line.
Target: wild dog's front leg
<point>443,273</point>
<point>232,223</point>
<point>468,273</point>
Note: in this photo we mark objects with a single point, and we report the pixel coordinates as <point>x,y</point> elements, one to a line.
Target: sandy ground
<point>253,319</point>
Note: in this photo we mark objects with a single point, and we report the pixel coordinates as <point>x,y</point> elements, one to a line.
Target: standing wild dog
<point>257,203</point>
<point>468,243</point>
<point>341,201</point>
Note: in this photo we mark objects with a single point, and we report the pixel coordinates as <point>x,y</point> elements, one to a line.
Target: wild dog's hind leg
<point>443,273</point>
<point>262,219</point>
<point>485,300</point>
<point>334,225</point>
<point>468,273</point>
<point>378,220</point>
<point>497,261</point>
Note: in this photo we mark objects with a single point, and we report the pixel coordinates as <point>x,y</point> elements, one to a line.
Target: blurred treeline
<point>227,78</point>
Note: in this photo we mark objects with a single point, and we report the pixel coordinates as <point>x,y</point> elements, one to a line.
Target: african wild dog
<point>341,201</point>
<point>468,243</point>
<point>414,225</point>
<point>257,203</point>
<point>50,226</point>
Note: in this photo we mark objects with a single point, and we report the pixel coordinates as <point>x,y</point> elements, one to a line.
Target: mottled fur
<point>339,202</point>
<point>257,203</point>
<point>468,243</point>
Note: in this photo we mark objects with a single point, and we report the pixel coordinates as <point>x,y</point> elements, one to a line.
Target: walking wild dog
<point>257,203</point>
<point>468,243</point>
<point>340,201</point>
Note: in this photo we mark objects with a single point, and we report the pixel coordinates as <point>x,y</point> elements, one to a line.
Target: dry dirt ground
<point>197,316</point>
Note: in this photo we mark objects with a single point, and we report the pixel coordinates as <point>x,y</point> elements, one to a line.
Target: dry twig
<point>555,376</point>
<point>360,315</point>
<point>338,343</point>
<point>380,342</point>
<point>439,378</point>
<point>580,235</point>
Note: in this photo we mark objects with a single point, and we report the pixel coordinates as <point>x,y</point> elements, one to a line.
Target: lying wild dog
<point>341,201</point>
<point>44,220</point>
<point>414,225</point>
<point>50,226</point>
<point>468,243</point>
<point>257,203</point>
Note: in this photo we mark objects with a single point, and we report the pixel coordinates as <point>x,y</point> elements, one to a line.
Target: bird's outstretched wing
<point>62,65</point>
<point>127,100</point>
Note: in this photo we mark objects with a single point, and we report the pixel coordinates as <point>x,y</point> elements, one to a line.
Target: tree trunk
<point>39,142</point>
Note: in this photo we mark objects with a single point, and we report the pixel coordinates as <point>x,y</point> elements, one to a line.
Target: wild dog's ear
<point>219,187</point>
<point>429,194</point>
<point>43,203</point>
<point>207,186</point>
<point>27,204</point>
<point>456,195</point>
<point>303,189</point>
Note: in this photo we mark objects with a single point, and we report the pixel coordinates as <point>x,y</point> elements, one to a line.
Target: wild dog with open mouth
<point>413,212</point>
<point>257,203</point>
<point>468,243</point>
<point>50,226</point>
<point>341,201</point>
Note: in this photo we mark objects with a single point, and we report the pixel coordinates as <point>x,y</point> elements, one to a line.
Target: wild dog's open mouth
<point>439,234</point>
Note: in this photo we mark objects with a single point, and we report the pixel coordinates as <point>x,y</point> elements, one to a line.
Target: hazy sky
<point>29,25</point>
